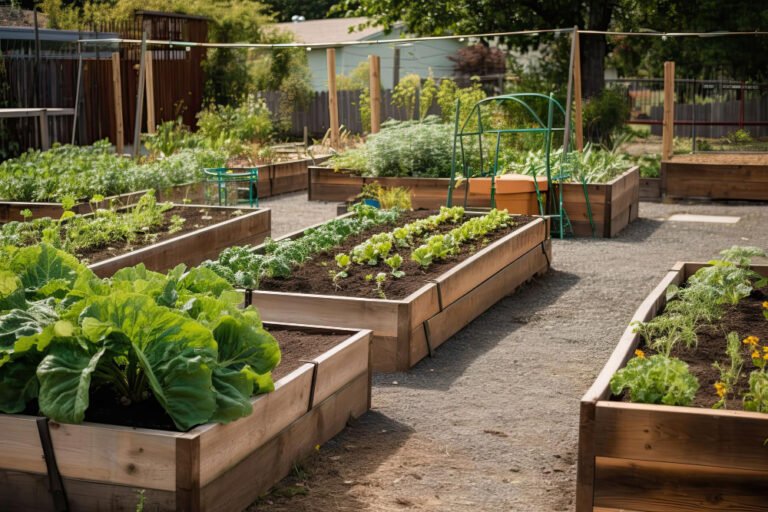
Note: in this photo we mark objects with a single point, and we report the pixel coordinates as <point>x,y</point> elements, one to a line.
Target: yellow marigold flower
<point>720,389</point>
<point>751,340</point>
<point>765,349</point>
<point>765,304</point>
<point>755,355</point>
<point>765,356</point>
<point>640,354</point>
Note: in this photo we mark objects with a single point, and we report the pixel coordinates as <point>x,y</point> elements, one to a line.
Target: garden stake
<point>55,484</point>
<point>312,386</point>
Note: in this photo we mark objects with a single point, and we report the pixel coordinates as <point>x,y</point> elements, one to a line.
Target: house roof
<point>329,30</point>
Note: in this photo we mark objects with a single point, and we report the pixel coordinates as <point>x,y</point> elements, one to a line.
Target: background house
<point>414,58</point>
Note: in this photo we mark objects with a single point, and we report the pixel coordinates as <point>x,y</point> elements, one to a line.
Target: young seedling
<point>395,262</point>
<point>381,278</point>
<point>343,261</point>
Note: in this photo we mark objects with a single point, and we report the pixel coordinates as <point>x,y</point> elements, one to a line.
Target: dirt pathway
<point>491,422</point>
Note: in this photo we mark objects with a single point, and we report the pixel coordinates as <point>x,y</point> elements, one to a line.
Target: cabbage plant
<point>179,339</point>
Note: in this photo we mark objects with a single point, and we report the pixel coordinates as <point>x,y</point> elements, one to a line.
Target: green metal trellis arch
<point>554,205</point>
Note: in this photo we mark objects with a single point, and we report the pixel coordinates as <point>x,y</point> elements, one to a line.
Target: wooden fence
<point>51,81</point>
<point>314,115</point>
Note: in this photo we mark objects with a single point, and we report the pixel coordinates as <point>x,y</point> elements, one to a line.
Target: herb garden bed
<point>193,246</point>
<point>422,309</point>
<point>325,184</point>
<point>639,456</point>
<point>325,382</point>
<point>716,176</point>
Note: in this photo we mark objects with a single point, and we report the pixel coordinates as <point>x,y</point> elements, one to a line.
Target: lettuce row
<point>180,338</point>
<point>440,247</point>
<point>243,267</point>
<point>378,246</point>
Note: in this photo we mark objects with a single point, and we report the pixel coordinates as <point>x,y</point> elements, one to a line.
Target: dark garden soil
<point>195,219</point>
<point>295,347</point>
<point>298,346</point>
<point>315,275</point>
<point>746,319</point>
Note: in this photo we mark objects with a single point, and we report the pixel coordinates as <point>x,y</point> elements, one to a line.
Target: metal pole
<point>139,97</point>
<point>77,91</point>
<point>452,183</point>
<point>37,61</point>
<point>566,130</point>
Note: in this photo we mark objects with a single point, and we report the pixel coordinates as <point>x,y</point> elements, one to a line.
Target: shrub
<point>410,148</point>
<point>224,126</point>
<point>605,114</point>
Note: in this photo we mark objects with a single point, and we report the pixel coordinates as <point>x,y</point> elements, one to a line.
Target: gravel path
<point>491,422</point>
<point>292,212</point>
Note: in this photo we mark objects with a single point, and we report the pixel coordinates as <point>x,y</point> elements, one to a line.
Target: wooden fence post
<point>374,64</point>
<point>117,88</point>
<point>150,83</point>
<point>140,97</point>
<point>333,105</point>
<point>45,141</point>
<point>668,128</point>
<point>578,120</point>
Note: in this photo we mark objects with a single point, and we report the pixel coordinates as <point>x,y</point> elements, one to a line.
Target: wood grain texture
<point>378,315</point>
<point>683,179</point>
<point>685,435</point>
<point>462,311</point>
<point>244,482</point>
<point>662,486</point>
<point>121,455</point>
<point>613,205</point>
<point>465,276</point>
<point>271,413</point>
<point>340,365</point>
<point>29,492</point>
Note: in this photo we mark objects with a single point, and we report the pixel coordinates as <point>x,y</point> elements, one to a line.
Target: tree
<point>438,17</point>
<point>312,10</point>
<point>743,57</point>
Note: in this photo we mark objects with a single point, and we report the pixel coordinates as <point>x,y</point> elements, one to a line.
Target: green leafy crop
<point>656,380</point>
<point>244,267</point>
<point>180,339</point>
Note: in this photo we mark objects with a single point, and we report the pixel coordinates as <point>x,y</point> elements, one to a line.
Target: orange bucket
<point>514,192</point>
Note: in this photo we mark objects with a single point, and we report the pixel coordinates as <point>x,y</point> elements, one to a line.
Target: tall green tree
<point>310,9</point>
<point>742,57</point>
<point>437,17</point>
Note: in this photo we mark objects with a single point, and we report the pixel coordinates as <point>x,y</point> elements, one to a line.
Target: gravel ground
<point>491,422</point>
<point>292,212</point>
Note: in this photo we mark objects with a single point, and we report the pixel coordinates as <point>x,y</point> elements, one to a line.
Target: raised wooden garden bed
<point>716,176</point>
<point>650,189</point>
<point>643,457</point>
<point>11,210</point>
<point>614,205</point>
<point>212,467</point>
<point>325,184</point>
<point>196,246</point>
<point>407,330</point>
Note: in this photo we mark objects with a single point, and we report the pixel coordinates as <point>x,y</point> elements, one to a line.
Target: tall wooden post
<point>140,97</point>
<point>374,65</point>
<point>668,130</point>
<point>333,104</point>
<point>578,120</point>
<point>150,78</point>
<point>117,88</point>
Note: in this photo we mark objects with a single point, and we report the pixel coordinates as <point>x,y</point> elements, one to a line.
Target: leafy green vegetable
<point>179,339</point>
<point>656,380</point>
<point>244,267</point>
<point>65,173</point>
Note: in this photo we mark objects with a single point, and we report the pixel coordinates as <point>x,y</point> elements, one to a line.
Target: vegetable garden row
<point>153,346</point>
